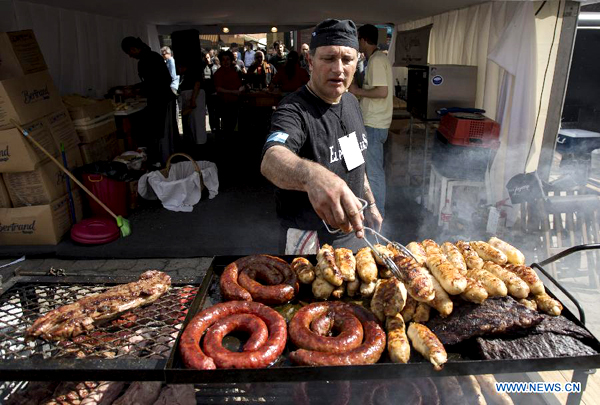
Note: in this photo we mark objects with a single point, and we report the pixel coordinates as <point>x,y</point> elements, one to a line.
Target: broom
<point>122,223</point>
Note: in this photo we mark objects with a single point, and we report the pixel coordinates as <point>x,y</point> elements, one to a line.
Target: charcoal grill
<point>139,341</point>
<point>283,371</point>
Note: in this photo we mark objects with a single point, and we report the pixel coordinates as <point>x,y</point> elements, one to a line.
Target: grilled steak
<point>561,326</point>
<point>74,319</point>
<point>495,316</point>
<point>533,347</point>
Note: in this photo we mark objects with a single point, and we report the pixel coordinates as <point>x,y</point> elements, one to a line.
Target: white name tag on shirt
<point>351,151</point>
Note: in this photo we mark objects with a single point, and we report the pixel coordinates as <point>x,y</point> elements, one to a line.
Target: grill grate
<point>143,333</point>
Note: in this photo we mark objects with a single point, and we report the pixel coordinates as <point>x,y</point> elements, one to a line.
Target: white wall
<point>82,50</point>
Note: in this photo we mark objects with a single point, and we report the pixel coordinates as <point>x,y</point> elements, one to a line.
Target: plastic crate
<point>460,131</point>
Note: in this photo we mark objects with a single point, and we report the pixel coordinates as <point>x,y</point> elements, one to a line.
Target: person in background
<point>160,111</point>
<point>239,64</point>
<point>377,104</point>
<point>278,59</point>
<point>192,100</point>
<point>166,53</point>
<point>211,94</point>
<point>304,49</point>
<point>260,72</point>
<point>249,55</point>
<point>211,53</point>
<point>291,77</point>
<point>229,86</point>
<point>317,177</point>
<point>236,50</point>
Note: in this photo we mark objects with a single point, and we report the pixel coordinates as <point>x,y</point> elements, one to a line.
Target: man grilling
<point>315,152</point>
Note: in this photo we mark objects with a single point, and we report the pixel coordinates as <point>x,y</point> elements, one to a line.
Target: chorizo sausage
<point>239,280</point>
<point>342,353</point>
<point>193,356</point>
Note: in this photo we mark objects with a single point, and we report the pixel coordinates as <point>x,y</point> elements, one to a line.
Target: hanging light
<point>225,30</point>
<point>273,29</point>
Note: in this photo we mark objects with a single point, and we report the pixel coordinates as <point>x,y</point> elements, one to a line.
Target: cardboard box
<point>39,225</point>
<point>62,129</point>
<point>93,119</point>
<point>4,197</point>
<point>17,154</point>
<point>21,54</point>
<point>106,148</point>
<point>28,98</point>
<point>42,185</point>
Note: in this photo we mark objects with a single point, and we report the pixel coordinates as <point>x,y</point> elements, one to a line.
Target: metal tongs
<point>389,263</point>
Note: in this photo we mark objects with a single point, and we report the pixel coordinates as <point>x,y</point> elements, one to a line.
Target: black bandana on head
<point>335,32</point>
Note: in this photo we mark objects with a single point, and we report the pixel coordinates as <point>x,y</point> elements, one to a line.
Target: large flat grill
<point>139,340</point>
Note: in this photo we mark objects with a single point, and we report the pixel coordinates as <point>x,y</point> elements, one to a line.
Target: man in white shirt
<point>376,104</point>
<point>249,55</point>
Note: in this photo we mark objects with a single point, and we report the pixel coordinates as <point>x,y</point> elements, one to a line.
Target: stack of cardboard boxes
<point>94,122</point>
<point>34,204</point>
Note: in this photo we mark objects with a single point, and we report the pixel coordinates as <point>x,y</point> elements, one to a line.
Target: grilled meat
<point>140,392</point>
<point>474,291</point>
<point>513,255</point>
<point>346,262</point>
<point>410,307</point>
<point>548,304</point>
<point>327,268</point>
<point>472,259</point>
<point>397,341</point>
<point>529,276</point>
<point>533,347</point>
<point>321,288</point>
<point>492,284</point>
<point>104,394</point>
<point>422,312</point>
<point>418,251</point>
<point>489,253</point>
<point>561,326</point>
<point>494,316</point>
<point>516,287</point>
<point>304,270</point>
<point>415,277</point>
<point>441,302</point>
<point>83,315</point>
<point>455,257</point>
<point>426,342</point>
<point>366,267</point>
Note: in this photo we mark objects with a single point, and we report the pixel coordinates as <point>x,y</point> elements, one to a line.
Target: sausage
<point>418,251</point>
<point>238,280</point>
<point>415,278</point>
<point>474,292</point>
<point>513,255</point>
<point>366,267</point>
<point>193,356</point>
<point>323,324</point>
<point>472,259</point>
<point>455,257</point>
<point>528,275</point>
<point>321,288</point>
<point>516,287</point>
<point>422,312</point>
<point>352,287</point>
<point>304,270</point>
<point>548,304</point>
<point>441,302</point>
<point>492,284</point>
<point>449,277</point>
<point>488,253</point>
<point>326,266</point>
<point>339,350</point>
<point>397,341</point>
<point>346,263</point>
<point>223,358</point>
<point>409,309</point>
<point>426,342</point>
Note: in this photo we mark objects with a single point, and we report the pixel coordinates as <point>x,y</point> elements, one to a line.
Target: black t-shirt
<point>310,128</point>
